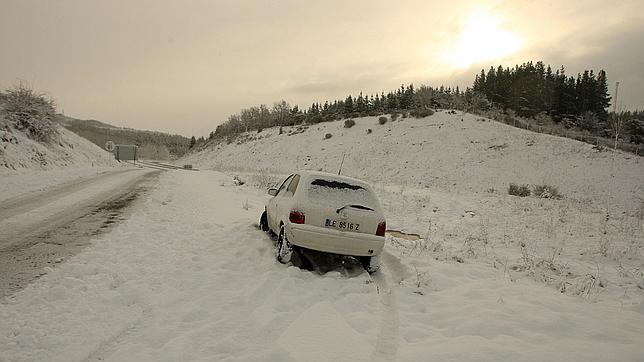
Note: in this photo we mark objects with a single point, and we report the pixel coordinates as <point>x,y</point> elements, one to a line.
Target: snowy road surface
<point>190,277</point>
<point>41,228</point>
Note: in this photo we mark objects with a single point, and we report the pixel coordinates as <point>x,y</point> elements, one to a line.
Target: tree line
<point>416,102</point>
<point>530,90</point>
<point>99,133</point>
<point>533,88</point>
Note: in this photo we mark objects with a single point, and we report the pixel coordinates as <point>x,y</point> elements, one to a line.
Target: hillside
<point>99,133</point>
<point>448,151</point>
<point>20,153</point>
<point>445,178</point>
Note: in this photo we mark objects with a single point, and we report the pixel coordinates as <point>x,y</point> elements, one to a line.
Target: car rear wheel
<point>284,249</point>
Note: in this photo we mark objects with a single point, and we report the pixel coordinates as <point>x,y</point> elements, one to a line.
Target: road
<point>44,229</point>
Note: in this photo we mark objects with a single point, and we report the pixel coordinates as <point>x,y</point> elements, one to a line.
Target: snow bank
<point>20,154</point>
<point>29,166</point>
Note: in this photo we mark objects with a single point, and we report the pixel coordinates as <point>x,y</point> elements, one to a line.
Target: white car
<point>328,213</point>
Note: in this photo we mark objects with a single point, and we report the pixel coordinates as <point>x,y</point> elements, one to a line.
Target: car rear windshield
<point>341,192</point>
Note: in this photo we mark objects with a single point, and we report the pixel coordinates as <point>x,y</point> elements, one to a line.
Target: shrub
<point>382,120</point>
<point>368,130</point>
<point>546,192</point>
<point>519,190</point>
<point>264,180</point>
<point>394,116</point>
<point>349,123</point>
<point>327,136</point>
<point>421,112</point>
<point>32,112</point>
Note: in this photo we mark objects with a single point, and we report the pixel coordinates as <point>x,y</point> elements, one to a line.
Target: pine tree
<point>601,100</point>
<point>348,106</point>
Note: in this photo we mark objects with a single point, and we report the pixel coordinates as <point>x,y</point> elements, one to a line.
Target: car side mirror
<point>272,192</point>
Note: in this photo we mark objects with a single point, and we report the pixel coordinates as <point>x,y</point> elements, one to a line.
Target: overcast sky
<point>184,66</point>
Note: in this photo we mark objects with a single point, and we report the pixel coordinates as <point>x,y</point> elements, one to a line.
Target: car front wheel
<point>263,222</point>
<point>284,248</point>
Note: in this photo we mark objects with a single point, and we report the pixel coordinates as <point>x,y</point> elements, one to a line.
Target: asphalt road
<point>43,229</point>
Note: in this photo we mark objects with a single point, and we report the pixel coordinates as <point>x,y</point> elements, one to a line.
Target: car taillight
<point>382,227</point>
<point>296,217</point>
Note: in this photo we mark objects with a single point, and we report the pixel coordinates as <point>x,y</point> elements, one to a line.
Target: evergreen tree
<point>348,105</point>
<point>601,100</point>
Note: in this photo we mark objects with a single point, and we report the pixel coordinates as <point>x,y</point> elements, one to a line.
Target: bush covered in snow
<point>546,192</point>
<point>421,112</point>
<point>519,190</point>
<point>31,112</point>
<point>349,123</point>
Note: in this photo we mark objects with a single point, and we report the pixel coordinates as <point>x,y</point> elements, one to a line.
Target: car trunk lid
<point>342,205</point>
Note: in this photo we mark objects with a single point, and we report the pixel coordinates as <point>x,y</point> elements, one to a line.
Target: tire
<point>263,222</point>
<point>370,263</point>
<point>284,250</point>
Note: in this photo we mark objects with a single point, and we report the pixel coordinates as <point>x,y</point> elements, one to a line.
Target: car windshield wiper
<point>355,206</point>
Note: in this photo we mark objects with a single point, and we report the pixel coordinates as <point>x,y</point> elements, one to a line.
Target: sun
<point>482,39</point>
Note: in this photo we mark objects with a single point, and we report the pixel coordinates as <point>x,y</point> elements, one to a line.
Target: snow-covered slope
<point>445,178</point>
<point>448,151</point>
<point>19,153</point>
<point>28,166</point>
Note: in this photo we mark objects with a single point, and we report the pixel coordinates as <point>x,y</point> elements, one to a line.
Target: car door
<point>285,202</point>
<point>272,211</point>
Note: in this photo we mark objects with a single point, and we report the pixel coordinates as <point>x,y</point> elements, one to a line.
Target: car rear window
<point>335,184</point>
<point>341,192</point>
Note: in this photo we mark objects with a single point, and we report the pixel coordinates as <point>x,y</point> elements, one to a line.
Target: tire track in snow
<point>261,292</point>
<point>387,342</point>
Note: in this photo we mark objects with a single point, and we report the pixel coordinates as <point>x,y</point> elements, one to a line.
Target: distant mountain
<point>100,132</point>
<point>68,121</point>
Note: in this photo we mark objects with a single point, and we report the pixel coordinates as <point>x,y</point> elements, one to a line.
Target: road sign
<point>109,146</point>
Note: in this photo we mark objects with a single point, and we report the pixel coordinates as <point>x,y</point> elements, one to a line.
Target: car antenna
<point>341,163</point>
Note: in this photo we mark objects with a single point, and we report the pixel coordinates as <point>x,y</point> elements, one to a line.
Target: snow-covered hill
<point>19,153</point>
<point>448,151</point>
<point>27,165</point>
<point>445,177</point>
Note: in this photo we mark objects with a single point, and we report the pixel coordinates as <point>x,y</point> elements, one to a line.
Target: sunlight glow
<point>482,39</point>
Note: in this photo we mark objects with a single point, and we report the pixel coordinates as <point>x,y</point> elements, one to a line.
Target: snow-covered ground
<point>445,177</point>
<point>190,277</point>
<point>489,276</point>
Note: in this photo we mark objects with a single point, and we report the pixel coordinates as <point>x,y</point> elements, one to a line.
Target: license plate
<point>343,225</point>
